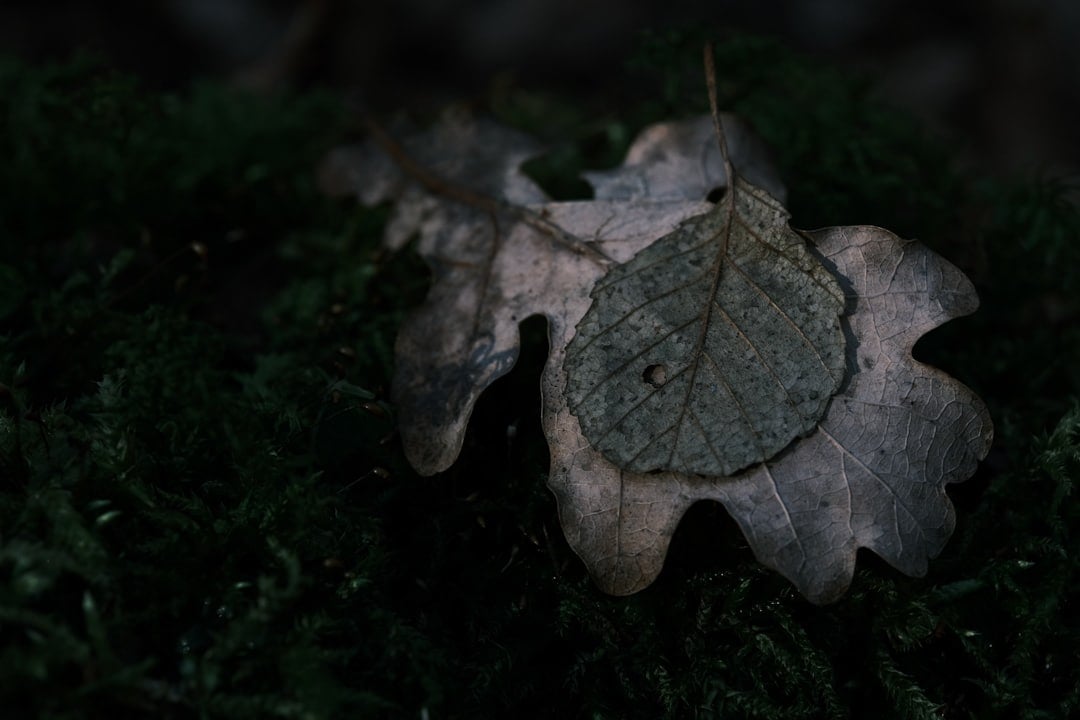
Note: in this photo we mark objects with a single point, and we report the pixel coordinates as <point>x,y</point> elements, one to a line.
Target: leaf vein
<point>802,335</point>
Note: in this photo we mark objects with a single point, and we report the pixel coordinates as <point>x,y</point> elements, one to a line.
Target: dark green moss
<point>204,511</point>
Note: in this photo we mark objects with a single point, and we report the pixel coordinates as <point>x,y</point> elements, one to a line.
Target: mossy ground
<point>204,512</point>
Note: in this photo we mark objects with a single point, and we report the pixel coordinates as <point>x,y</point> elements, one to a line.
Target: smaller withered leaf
<point>711,349</point>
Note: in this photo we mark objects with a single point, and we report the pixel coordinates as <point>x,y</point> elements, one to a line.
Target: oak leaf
<point>872,469</point>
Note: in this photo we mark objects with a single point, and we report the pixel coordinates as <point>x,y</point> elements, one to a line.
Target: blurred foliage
<point>204,512</point>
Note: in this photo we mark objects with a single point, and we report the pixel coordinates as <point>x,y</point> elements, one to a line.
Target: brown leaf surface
<point>872,474</point>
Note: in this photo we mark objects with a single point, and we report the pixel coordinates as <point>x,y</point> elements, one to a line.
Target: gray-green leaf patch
<point>711,349</point>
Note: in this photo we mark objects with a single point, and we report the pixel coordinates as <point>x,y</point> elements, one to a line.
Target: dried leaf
<point>680,159</point>
<point>711,349</point>
<point>872,475</point>
<point>872,471</point>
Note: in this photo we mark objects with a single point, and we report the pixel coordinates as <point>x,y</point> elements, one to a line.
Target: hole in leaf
<point>716,195</point>
<point>655,375</point>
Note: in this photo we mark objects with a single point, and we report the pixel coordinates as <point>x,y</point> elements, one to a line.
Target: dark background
<point>999,78</point>
<point>204,512</point>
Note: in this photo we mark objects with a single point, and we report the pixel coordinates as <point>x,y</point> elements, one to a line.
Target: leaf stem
<point>710,83</point>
